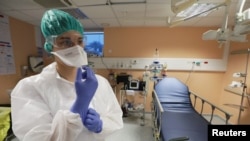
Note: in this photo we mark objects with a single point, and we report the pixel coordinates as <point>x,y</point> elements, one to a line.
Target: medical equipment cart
<point>130,105</point>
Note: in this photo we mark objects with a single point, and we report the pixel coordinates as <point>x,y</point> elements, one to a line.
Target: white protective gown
<point>40,109</point>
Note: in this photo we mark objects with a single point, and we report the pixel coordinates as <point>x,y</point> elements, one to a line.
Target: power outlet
<point>197,63</point>
<point>133,62</point>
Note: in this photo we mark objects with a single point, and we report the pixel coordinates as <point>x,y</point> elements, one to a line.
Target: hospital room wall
<point>173,43</point>
<point>23,43</point>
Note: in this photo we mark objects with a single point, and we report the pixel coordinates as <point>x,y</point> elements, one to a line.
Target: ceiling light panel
<point>88,2</point>
<point>159,1</point>
<point>98,11</point>
<point>128,1</point>
<point>196,9</point>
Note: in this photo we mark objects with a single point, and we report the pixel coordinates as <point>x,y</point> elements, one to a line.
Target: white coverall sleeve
<point>106,104</point>
<point>33,121</point>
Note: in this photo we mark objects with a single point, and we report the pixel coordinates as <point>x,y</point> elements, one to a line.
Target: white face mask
<point>73,56</point>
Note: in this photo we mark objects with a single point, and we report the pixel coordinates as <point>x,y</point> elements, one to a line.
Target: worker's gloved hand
<point>92,121</point>
<point>85,86</point>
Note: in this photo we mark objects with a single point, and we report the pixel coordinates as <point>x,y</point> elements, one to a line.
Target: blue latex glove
<point>85,90</point>
<point>92,121</point>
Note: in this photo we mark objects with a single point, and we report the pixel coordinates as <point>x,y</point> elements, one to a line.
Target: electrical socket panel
<point>183,64</point>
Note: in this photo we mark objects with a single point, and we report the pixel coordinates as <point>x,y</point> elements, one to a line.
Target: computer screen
<point>94,43</point>
<point>134,84</point>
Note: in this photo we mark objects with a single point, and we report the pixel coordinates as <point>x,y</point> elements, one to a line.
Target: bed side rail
<point>213,107</point>
<point>157,111</point>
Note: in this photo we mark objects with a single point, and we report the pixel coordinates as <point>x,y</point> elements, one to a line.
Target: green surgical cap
<point>55,22</point>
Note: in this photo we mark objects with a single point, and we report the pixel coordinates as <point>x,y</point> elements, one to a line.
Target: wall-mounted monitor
<point>94,43</point>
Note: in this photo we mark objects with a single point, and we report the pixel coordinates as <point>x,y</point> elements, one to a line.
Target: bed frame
<point>174,115</point>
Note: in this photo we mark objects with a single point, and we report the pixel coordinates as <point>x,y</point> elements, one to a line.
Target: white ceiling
<point>117,13</point>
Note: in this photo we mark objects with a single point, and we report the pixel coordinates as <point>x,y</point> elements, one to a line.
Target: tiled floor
<point>216,119</point>
<point>133,131</point>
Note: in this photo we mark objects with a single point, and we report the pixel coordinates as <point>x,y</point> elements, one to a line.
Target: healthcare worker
<point>66,101</point>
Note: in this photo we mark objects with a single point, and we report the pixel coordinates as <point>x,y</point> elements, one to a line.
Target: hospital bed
<point>174,115</point>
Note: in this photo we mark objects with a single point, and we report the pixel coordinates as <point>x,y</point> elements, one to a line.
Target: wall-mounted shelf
<point>242,92</point>
<point>236,106</point>
<point>233,91</point>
